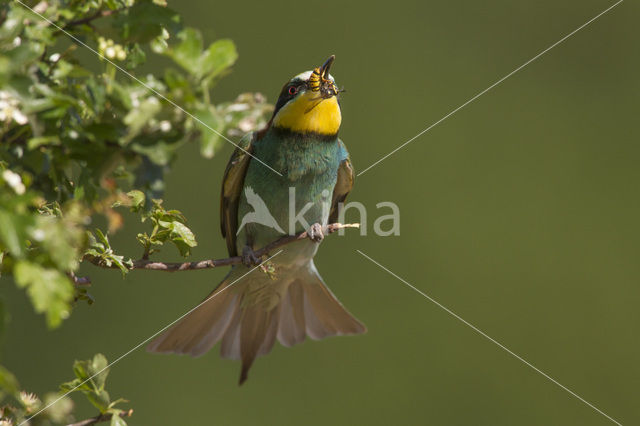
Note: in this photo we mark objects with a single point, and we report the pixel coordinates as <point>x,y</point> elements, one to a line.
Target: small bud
<point>19,117</point>
<point>38,235</point>
<point>29,400</point>
<point>14,181</point>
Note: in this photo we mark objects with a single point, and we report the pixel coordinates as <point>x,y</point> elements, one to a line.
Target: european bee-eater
<point>300,142</point>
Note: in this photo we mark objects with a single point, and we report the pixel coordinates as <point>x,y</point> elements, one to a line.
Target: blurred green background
<point>520,213</point>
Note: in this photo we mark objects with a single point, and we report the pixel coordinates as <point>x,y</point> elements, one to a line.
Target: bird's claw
<point>249,257</point>
<point>315,233</point>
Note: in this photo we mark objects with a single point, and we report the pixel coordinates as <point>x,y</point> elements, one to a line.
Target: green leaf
<point>50,291</point>
<point>100,400</point>
<point>135,56</point>
<point>94,372</point>
<point>103,239</point>
<point>73,385</point>
<point>208,119</point>
<point>116,419</point>
<point>24,53</point>
<point>187,52</point>
<point>182,237</point>
<point>219,57</point>
<point>145,20</point>
<point>137,199</point>
<point>34,143</point>
<point>59,238</point>
<point>91,376</point>
<point>13,233</point>
<point>177,81</point>
<point>123,265</point>
<point>169,225</point>
<point>99,366</point>
<point>101,248</point>
<point>207,64</point>
<point>83,294</point>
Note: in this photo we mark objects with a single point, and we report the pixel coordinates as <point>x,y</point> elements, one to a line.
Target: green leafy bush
<point>81,137</point>
<point>56,407</point>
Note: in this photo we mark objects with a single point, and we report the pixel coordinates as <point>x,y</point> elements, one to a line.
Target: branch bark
<point>216,263</point>
<point>101,418</point>
<point>88,19</point>
<point>79,281</point>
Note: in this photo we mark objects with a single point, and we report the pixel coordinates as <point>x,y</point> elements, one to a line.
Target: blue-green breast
<point>307,164</point>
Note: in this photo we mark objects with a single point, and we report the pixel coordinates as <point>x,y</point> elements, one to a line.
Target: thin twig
<point>88,19</point>
<point>101,418</point>
<point>215,263</point>
<point>79,281</point>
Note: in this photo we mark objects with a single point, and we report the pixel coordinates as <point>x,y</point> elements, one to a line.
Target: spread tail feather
<point>307,308</point>
<point>201,328</point>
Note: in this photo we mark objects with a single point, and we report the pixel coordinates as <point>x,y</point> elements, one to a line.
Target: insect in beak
<point>324,69</point>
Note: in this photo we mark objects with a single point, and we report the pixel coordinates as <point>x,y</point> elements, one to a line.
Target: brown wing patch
<point>232,184</point>
<point>344,183</point>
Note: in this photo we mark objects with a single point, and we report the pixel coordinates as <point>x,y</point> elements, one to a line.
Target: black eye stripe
<point>285,96</point>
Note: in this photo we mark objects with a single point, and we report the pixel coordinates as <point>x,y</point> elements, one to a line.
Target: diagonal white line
<point>491,339</point>
<point>148,338</point>
<point>491,87</point>
<point>151,89</point>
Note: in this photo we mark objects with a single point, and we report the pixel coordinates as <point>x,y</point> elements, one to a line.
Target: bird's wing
<point>344,183</point>
<point>232,184</point>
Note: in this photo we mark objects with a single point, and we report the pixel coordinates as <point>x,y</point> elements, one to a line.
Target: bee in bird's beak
<point>309,103</point>
<point>321,81</point>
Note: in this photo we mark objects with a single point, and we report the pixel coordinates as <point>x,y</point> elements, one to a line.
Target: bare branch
<point>88,19</point>
<point>101,418</point>
<point>79,281</point>
<point>215,263</point>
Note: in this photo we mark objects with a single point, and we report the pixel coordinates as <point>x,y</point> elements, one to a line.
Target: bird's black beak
<point>324,69</point>
<point>320,81</point>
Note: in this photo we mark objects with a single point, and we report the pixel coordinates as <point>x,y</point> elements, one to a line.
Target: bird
<point>251,309</point>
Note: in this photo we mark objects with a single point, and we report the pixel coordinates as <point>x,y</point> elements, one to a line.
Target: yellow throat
<point>309,112</point>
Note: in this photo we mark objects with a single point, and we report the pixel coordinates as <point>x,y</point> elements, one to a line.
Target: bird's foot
<point>315,233</point>
<point>249,257</point>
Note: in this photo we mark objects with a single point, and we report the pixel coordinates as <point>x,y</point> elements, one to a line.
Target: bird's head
<point>308,103</point>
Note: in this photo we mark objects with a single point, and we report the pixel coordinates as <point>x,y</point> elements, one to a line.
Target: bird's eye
<point>293,90</point>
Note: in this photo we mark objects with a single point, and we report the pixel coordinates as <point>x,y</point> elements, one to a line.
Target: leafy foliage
<point>49,290</point>
<point>82,136</point>
<point>168,225</point>
<point>91,376</point>
<point>100,249</point>
<point>41,244</point>
<point>90,379</point>
<point>79,138</point>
